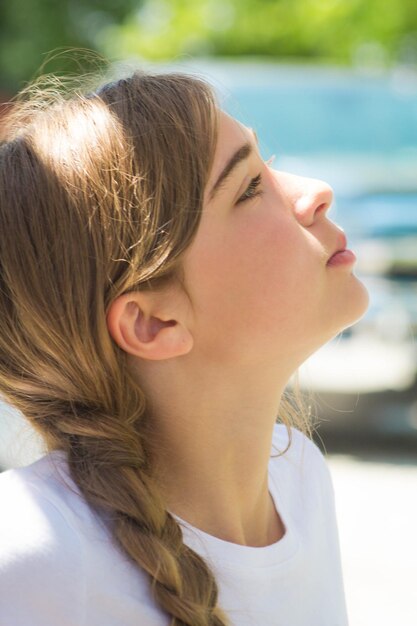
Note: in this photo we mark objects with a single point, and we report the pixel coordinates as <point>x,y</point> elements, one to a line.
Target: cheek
<point>252,278</point>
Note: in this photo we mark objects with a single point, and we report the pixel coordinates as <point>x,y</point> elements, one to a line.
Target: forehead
<point>232,134</point>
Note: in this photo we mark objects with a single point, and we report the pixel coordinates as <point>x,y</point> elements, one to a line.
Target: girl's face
<point>256,273</point>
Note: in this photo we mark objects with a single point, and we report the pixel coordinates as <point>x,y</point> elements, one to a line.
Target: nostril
<point>322,207</point>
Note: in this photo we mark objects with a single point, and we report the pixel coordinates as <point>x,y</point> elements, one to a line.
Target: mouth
<point>341,256</point>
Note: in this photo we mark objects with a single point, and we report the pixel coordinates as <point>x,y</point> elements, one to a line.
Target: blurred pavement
<point>376,505</point>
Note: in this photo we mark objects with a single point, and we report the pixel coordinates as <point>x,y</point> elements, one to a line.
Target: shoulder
<point>41,554</point>
<point>303,456</point>
<point>299,443</point>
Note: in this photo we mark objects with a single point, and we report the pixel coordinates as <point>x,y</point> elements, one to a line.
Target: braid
<point>128,498</point>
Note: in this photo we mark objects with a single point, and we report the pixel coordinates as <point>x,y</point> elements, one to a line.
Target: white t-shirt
<point>59,567</point>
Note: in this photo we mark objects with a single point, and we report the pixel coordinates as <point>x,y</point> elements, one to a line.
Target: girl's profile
<point>160,283</point>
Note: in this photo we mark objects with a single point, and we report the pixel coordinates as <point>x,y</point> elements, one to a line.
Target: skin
<point>214,363</point>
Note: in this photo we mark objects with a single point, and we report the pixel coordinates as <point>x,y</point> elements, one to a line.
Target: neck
<point>211,452</point>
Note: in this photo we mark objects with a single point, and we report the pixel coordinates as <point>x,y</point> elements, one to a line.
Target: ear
<point>138,324</point>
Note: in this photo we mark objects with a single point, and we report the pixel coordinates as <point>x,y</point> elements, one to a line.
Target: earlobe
<point>141,334</point>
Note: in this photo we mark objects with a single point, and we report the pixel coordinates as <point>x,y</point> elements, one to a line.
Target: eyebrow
<point>240,155</point>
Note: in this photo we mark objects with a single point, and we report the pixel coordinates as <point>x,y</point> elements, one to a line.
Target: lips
<point>341,244</point>
<point>341,257</point>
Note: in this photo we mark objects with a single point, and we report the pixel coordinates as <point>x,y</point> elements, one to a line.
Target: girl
<point>159,285</point>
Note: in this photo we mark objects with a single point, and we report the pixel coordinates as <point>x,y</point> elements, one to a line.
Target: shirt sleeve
<point>42,572</point>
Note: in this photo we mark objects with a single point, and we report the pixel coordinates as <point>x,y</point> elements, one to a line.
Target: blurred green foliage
<point>342,31</point>
<point>30,29</point>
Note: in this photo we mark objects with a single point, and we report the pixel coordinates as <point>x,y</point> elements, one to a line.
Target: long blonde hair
<point>100,193</point>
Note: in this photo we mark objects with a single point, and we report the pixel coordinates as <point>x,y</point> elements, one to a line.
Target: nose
<point>308,197</point>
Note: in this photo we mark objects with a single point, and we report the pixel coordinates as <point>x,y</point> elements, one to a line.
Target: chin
<point>358,303</point>
<point>351,307</point>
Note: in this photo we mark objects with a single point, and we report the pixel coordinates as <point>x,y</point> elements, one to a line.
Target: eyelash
<point>252,190</point>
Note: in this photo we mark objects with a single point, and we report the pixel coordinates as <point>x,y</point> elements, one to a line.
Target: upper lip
<point>341,244</point>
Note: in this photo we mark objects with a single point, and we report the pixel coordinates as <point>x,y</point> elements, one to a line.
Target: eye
<point>252,189</point>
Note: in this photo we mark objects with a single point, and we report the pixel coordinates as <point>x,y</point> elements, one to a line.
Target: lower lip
<point>345,257</point>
